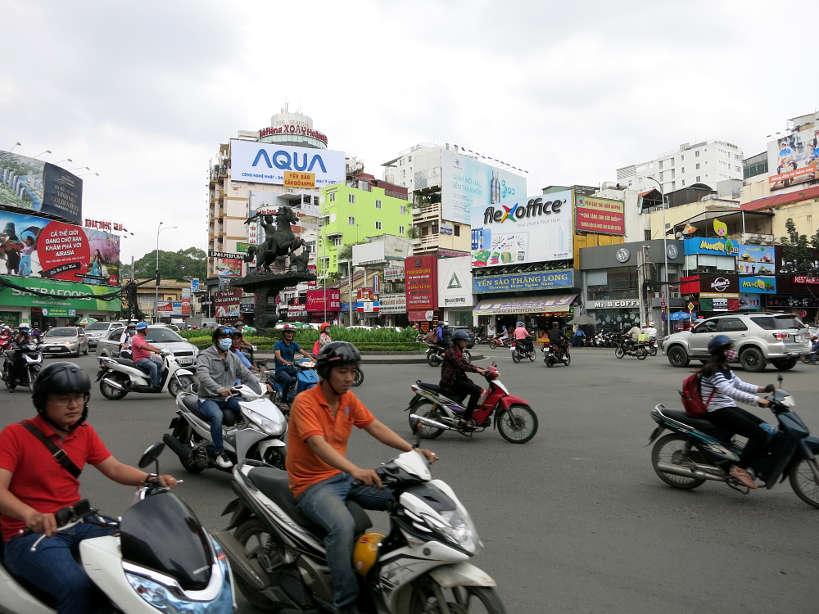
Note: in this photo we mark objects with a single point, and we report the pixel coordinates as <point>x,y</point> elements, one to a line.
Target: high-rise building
<point>707,162</point>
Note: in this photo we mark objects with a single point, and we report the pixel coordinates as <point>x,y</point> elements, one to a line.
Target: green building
<point>353,214</point>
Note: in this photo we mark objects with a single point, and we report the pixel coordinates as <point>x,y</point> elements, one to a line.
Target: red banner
<point>421,282</point>
<point>600,215</point>
<point>316,300</point>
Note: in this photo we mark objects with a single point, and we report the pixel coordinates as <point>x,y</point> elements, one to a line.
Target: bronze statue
<point>279,238</point>
<point>298,264</point>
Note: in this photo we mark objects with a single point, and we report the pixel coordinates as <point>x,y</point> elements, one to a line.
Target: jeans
<point>737,420</point>
<point>324,504</point>
<point>53,569</point>
<point>153,367</point>
<point>286,376</point>
<point>212,408</point>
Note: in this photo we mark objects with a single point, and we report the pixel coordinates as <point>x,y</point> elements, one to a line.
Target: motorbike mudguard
<point>461,574</point>
<point>240,511</point>
<point>15,598</point>
<point>812,443</point>
<point>183,372</point>
<point>509,400</point>
<point>413,402</point>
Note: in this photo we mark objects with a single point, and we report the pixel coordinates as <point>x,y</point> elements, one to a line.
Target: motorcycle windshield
<point>162,533</point>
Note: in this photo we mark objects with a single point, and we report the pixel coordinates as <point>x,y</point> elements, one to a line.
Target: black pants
<point>460,389</point>
<point>741,422</point>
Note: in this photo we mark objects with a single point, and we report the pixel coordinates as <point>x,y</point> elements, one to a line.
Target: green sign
<point>242,247</point>
<point>61,294</point>
<point>59,312</point>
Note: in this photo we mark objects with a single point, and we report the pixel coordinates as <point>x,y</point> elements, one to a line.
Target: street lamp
<point>64,160</point>
<point>95,174</point>
<point>156,271</point>
<point>47,151</point>
<point>667,293</point>
<point>16,145</point>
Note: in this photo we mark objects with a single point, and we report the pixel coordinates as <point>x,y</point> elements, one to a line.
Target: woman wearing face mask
<point>724,389</point>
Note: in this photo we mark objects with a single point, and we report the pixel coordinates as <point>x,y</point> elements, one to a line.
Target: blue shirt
<point>288,352</point>
<point>242,358</point>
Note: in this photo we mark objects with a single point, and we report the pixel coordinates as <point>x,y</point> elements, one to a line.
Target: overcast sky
<point>145,94</point>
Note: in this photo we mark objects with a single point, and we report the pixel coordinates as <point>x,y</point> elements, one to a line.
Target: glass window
<point>377,225</point>
<point>709,326</point>
<point>116,334</point>
<point>350,198</point>
<point>97,326</point>
<point>457,230</point>
<point>161,334</point>
<point>377,204</point>
<point>332,197</point>
<point>403,210</point>
<point>400,230</point>
<point>62,331</point>
<point>777,322</point>
<point>730,324</point>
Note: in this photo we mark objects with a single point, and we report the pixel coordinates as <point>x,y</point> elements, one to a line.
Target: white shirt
<point>651,332</point>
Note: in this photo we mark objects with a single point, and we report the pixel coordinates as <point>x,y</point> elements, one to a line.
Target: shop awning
<point>543,303</point>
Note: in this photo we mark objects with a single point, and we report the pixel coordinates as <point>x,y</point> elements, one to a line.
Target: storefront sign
<point>394,273</point>
<point>446,228</point>
<point>523,304</point>
<point>455,282</point>
<point>757,285</point>
<point>318,302</point>
<point>781,301</point>
<point>600,215</point>
<point>59,312</point>
<point>721,295</point>
<point>294,179</point>
<point>393,303</point>
<point>61,294</point>
<point>227,302</point>
<point>802,279</point>
<point>529,282</point>
<point>715,247</point>
<point>750,302</point>
<point>623,303</point>
<point>367,306</point>
<point>709,283</point>
<point>421,282</point>
<point>103,225</point>
<point>294,129</point>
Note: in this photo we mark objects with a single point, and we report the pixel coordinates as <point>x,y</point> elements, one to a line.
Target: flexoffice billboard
<point>467,185</point>
<point>279,164</point>
<point>28,183</point>
<point>793,158</point>
<point>537,229</point>
<point>34,246</point>
<point>421,282</point>
<point>600,215</point>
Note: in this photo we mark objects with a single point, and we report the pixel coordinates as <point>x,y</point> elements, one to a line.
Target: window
<point>434,228</point>
<point>457,230</point>
<point>377,204</point>
<point>777,322</point>
<point>350,198</point>
<point>709,326</point>
<point>730,324</point>
<point>336,241</point>
<point>403,210</point>
<point>377,225</point>
<point>697,179</point>
<point>698,166</point>
<point>682,169</point>
<point>351,221</point>
<point>661,165</point>
<point>696,154</point>
<point>400,230</point>
<point>116,334</point>
<point>682,182</point>
<point>332,197</point>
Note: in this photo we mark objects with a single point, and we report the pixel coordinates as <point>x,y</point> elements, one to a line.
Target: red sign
<point>63,250</point>
<point>802,279</point>
<point>164,306</point>
<point>600,215</point>
<point>293,129</point>
<point>316,300</point>
<point>364,294</point>
<point>421,282</point>
<point>311,268</point>
<point>186,306</point>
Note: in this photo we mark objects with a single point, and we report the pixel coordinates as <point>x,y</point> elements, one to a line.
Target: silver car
<point>759,338</point>
<point>99,330</point>
<point>66,340</point>
<point>159,336</point>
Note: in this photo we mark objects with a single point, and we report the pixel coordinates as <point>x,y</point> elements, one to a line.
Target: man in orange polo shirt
<point>321,476</point>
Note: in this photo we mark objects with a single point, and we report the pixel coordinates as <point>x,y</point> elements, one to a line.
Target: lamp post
<point>15,146</point>
<point>156,271</point>
<point>47,151</point>
<point>63,160</point>
<point>667,293</point>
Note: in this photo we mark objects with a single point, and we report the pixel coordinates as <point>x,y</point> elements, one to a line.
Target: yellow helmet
<point>366,551</point>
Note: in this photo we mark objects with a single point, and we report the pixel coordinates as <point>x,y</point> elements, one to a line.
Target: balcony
<point>425,213</point>
<point>426,243</point>
<point>756,238</point>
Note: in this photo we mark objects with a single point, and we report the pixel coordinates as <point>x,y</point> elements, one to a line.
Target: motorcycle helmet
<point>218,333</point>
<point>324,325</point>
<point>24,326</point>
<point>520,323</point>
<point>336,354</point>
<point>288,328</point>
<point>461,334</point>
<point>141,326</point>
<point>366,551</point>
<point>57,378</point>
<point>719,344</point>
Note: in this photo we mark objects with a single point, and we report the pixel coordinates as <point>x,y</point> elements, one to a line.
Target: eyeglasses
<point>68,398</point>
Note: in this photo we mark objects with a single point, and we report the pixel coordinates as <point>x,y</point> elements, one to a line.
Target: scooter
<point>306,378</point>
<point>519,352</point>
<point>257,432</point>
<point>158,559</point>
<point>32,363</point>
<point>119,376</point>
<point>499,342</point>
<point>422,565</point>
<point>696,451</point>
<point>514,418</point>
<point>553,355</point>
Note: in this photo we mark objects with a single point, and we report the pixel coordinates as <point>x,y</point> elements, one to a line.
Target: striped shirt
<point>727,389</point>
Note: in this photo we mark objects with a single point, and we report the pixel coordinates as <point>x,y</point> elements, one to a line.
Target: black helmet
<point>460,334</point>
<point>60,378</point>
<point>719,344</point>
<point>336,354</point>
<point>218,332</point>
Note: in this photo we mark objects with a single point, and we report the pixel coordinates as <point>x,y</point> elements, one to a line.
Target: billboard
<point>55,294</point>
<point>455,282</point>
<point>538,229</point>
<point>28,183</point>
<point>756,260</point>
<point>793,158</point>
<point>421,282</point>
<point>600,215</point>
<point>318,301</point>
<point>467,184</point>
<point>227,264</point>
<point>226,303</point>
<point>34,246</point>
<point>526,282</point>
<point>268,163</point>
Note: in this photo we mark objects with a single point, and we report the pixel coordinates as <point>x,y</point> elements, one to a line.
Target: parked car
<point>97,330</point>
<point>759,338</point>
<point>159,336</point>
<point>209,324</point>
<point>66,340</point>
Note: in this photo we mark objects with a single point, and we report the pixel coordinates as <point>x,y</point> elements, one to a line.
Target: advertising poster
<point>316,300</point>
<point>537,229</point>
<point>756,260</point>
<point>54,294</point>
<point>523,282</point>
<point>226,303</point>
<point>712,246</point>
<point>793,158</point>
<point>421,282</point>
<point>267,163</point>
<point>467,184</point>
<point>34,246</point>
<point>757,285</point>
<point>600,215</point>
<point>455,282</point>
<point>28,183</point>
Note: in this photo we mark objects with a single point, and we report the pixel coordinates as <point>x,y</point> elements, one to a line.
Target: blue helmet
<point>520,323</point>
<point>142,326</point>
<point>719,343</point>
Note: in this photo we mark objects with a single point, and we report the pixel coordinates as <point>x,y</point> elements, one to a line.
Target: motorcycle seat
<point>191,402</point>
<point>701,424</point>
<point>275,484</point>
<point>126,362</point>
<point>430,387</point>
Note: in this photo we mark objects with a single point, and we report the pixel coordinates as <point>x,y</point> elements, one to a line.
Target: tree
<point>180,265</point>
<point>799,254</point>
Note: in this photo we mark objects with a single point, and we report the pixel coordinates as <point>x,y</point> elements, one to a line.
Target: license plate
<point>797,338</point>
<point>184,361</point>
<point>55,348</point>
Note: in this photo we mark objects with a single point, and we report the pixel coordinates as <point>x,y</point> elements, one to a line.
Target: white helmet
<point>24,325</point>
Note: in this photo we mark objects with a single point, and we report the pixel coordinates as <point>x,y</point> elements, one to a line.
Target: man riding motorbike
<point>141,351</point>
<point>523,340</point>
<point>33,486</point>
<point>286,350</point>
<point>18,365</point>
<point>454,381</point>
<point>321,477</point>
<point>556,337</point>
<point>218,369</point>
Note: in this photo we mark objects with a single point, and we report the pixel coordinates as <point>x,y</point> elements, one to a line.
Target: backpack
<point>691,397</point>
<point>431,337</point>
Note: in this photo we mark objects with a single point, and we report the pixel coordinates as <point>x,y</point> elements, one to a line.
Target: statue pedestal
<point>263,285</point>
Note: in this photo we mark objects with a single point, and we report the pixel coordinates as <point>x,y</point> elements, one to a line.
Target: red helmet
<point>288,328</point>
<point>324,325</point>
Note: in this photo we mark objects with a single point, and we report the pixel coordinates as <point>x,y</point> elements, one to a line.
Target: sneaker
<point>223,462</point>
<point>743,477</point>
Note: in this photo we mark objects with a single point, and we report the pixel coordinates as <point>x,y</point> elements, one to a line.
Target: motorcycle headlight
<point>458,529</point>
<point>265,424</point>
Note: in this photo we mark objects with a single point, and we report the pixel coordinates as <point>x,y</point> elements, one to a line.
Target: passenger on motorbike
<point>33,486</point>
<point>286,350</point>
<point>454,381</point>
<point>523,340</point>
<point>724,388</point>
<point>236,347</point>
<point>141,351</point>
<point>218,369</point>
<point>21,340</point>
<point>321,476</point>
<point>126,339</point>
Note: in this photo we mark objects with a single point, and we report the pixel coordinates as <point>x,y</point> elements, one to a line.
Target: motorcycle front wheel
<point>515,357</point>
<point>532,356</point>
<point>549,361</point>
<point>467,355</point>
<point>359,377</point>
<point>433,359</point>
<point>619,352</point>
<point>518,424</point>
<point>186,383</point>
<point>675,449</point>
<point>803,483</point>
<point>258,542</point>
<point>429,410</point>
<point>642,353</point>
<point>653,350</point>
<point>426,599</point>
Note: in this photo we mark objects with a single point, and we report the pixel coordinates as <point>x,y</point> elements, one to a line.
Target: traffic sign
<point>690,306</point>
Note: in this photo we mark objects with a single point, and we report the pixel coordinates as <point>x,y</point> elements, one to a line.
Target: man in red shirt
<point>141,350</point>
<point>321,477</point>
<point>34,485</point>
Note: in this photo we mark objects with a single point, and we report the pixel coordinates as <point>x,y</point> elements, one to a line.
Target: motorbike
<point>422,565</point>
<point>435,354</point>
<point>525,349</point>
<point>498,342</point>
<point>625,347</point>
<point>158,559</point>
<point>553,355</point>
<point>32,363</point>
<point>811,358</point>
<point>651,346</point>
<point>257,432</point>
<point>119,376</point>
<point>513,417</point>
<point>306,378</point>
<point>695,451</point>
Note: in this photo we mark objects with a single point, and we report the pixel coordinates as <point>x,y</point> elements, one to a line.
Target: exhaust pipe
<point>251,571</point>
<point>112,383</point>
<point>430,422</point>
<point>691,473</point>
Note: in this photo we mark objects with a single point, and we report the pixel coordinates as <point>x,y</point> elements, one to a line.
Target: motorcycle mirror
<point>151,454</point>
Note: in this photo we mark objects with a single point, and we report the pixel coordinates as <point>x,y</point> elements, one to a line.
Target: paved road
<point>575,521</point>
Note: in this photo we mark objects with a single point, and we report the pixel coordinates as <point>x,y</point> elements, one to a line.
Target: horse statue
<point>279,238</point>
<point>298,263</point>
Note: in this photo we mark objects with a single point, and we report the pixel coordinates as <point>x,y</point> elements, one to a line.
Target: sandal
<point>743,477</point>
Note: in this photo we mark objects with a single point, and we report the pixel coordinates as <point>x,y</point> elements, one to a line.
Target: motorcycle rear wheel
<point>111,393</point>
<point>803,482</point>
<point>255,537</point>
<point>515,357</point>
<point>359,377</point>
<point>426,409</point>
<point>674,448</point>
<point>549,362</point>
<point>532,356</point>
<point>642,353</point>
<point>459,599</point>
<point>184,434</point>
<point>518,424</point>
<point>433,359</point>
<point>619,352</point>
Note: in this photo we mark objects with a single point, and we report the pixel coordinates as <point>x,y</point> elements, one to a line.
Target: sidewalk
<point>396,358</point>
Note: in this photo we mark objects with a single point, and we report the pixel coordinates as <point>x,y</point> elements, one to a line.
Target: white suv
<point>759,338</point>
